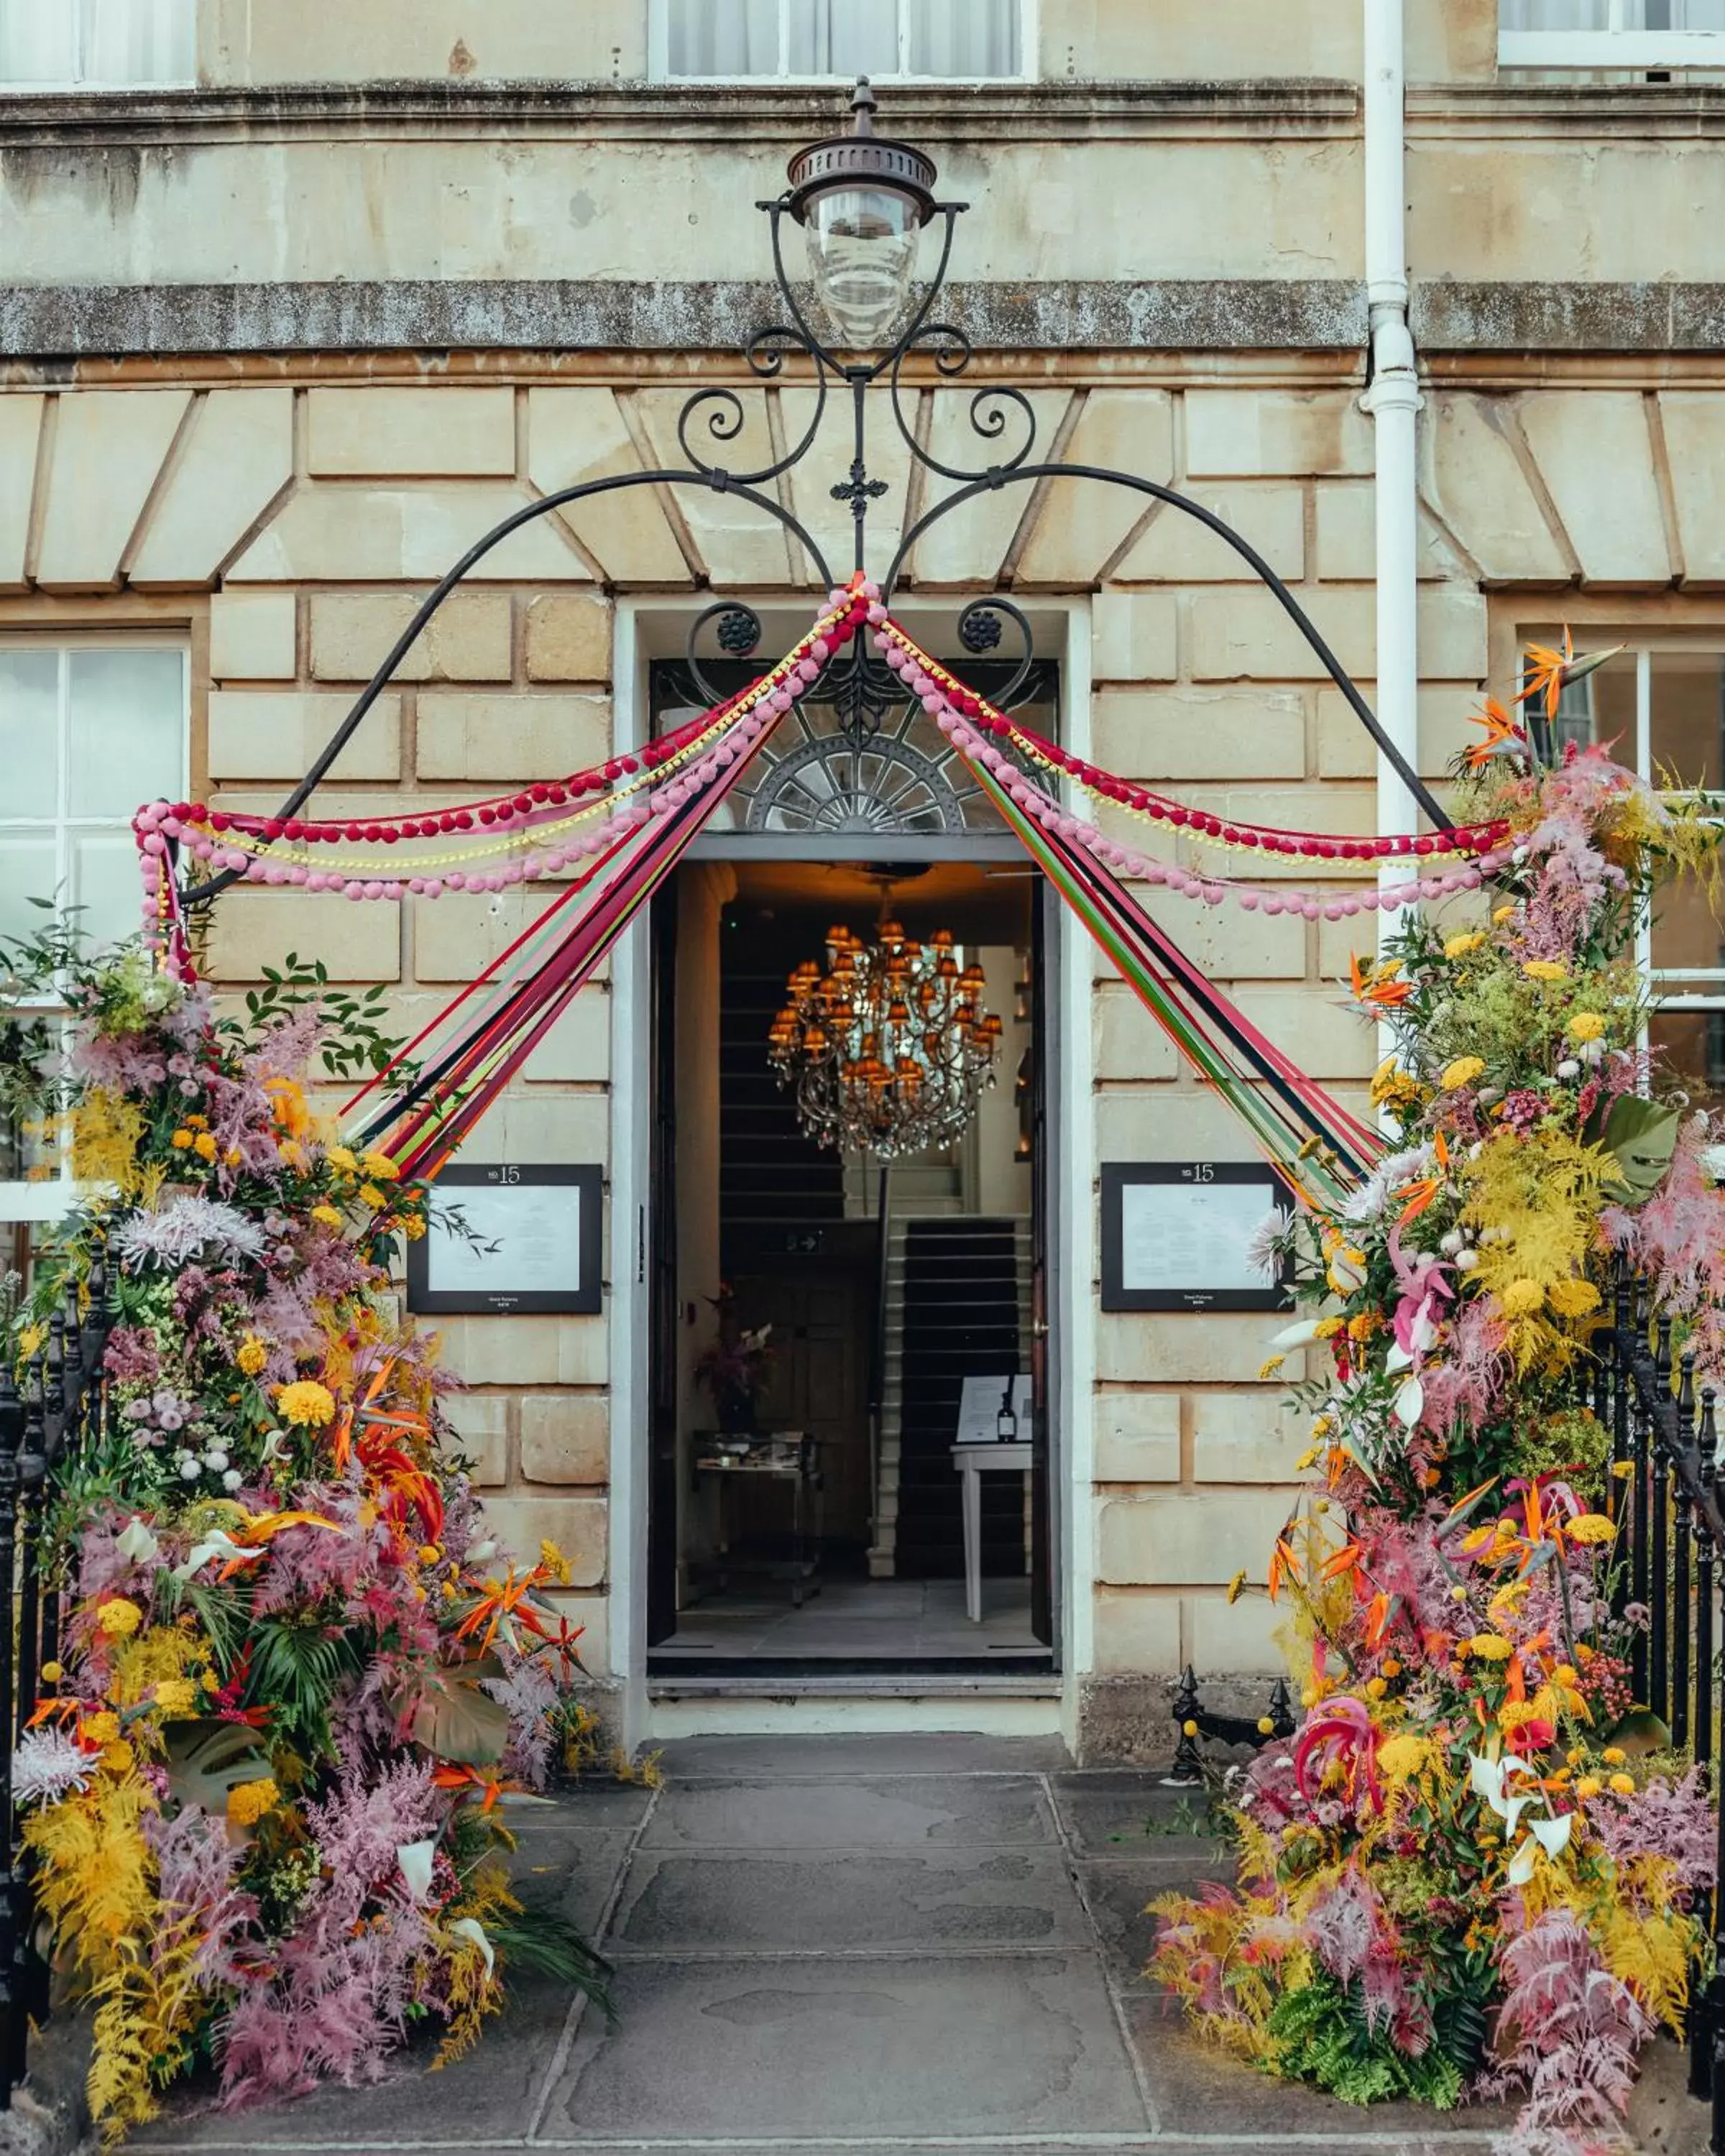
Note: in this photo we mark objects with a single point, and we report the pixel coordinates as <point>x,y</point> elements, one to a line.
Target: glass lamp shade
<point>862,252</point>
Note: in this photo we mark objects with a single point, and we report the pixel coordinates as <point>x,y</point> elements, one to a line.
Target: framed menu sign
<point>1177,1235</point>
<point>528,1242</point>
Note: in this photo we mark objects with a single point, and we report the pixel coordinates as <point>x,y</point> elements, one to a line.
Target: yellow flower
<point>1613,1755</point>
<point>177,1696</point>
<point>1521,1298</point>
<point>1322,1426</point>
<point>210,1680</point>
<point>1458,947</point>
<point>1327,1328</point>
<point>553,1561</point>
<point>307,1402</point>
<point>52,1673</point>
<point>1587,1786</point>
<point>1586,1025</point>
<point>180,1141</point>
<point>1563,1674</point>
<point>1461,1072</point>
<point>1503,913</point>
<point>1544,969</point>
<point>1375,1688</point>
<point>381,1167</point>
<point>248,1801</point>
<point>119,1758</point>
<point>1363,1326</point>
<point>413,1227</point>
<point>1395,1088</point>
<point>339,1156</point>
<point>1490,1647</point>
<point>327,1214</point>
<point>1621,1785</point>
<point>1236,1585</point>
<point>119,1619</point>
<point>1572,1298</point>
<point>290,1153</point>
<point>429,1553</point>
<point>204,1146</point>
<point>1514,1712</point>
<point>100,1728</point>
<point>1590,1527</point>
<point>1401,1758</point>
<point>369,1194</point>
<point>1268,1370</point>
<point>253,1355</point>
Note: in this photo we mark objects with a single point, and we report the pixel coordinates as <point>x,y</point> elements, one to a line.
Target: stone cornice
<point>735,113</point>
<point>80,321</point>
<point>1506,318</point>
<point>1609,111</point>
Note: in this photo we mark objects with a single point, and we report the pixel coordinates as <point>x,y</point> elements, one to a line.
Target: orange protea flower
<point>1502,732</point>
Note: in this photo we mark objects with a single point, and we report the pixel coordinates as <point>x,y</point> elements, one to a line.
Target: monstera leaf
<point>207,1759</point>
<point>449,1715</point>
<point>1642,1136</point>
<point>1639,1731</point>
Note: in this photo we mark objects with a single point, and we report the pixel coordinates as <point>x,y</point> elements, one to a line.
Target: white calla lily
<point>215,1544</point>
<point>1552,1835</point>
<point>137,1544</point>
<point>1298,1335</point>
<point>1410,1404</point>
<point>469,1927</point>
<point>414,1858</point>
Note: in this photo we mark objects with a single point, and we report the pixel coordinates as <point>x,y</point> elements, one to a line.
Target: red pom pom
<point>272,827</point>
<point>1423,845</point>
<point>1178,817</point>
<point>353,833</point>
<point>391,834</point>
<point>540,792</point>
<point>488,815</point>
<point>556,795</point>
<point>464,819</point>
<point>220,820</point>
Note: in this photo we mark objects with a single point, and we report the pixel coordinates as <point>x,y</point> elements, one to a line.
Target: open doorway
<point>832,1319</point>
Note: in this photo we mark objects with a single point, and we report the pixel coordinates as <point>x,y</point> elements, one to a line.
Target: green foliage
<point>354,1040</point>
<point>550,1945</point>
<point>1320,2035</point>
<point>1642,1136</point>
<point>294,1671</point>
<point>207,1759</point>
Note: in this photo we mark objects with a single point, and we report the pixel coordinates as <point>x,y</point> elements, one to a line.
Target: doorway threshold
<point>806,1680</point>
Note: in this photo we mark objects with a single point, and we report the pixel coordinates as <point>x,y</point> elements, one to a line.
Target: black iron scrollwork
<point>739,632</point>
<point>994,408</point>
<point>979,631</point>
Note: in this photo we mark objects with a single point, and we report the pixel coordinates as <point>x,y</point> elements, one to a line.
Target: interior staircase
<point>958,1305</point>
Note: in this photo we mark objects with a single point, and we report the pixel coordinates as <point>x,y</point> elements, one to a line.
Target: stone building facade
<point>279,341</point>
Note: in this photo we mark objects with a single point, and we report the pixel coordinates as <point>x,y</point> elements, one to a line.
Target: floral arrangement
<point>737,1367</point>
<point>259,1789</point>
<point>1478,1868</point>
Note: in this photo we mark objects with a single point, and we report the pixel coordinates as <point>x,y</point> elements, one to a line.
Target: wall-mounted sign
<point>1179,1235</point>
<point>527,1242</point>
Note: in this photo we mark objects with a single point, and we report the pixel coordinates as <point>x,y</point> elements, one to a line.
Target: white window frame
<point>50,1198</point>
<point>1617,46</point>
<point>658,52</point>
<point>12,87</point>
<point>1666,982</point>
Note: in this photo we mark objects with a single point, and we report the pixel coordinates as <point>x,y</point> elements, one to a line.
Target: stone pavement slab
<point>762,2049</point>
<point>837,1758</point>
<point>883,1812</point>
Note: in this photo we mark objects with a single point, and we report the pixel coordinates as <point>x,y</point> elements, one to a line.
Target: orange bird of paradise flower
<point>1550,672</point>
<point>471,1782</point>
<point>1502,732</point>
<point>1370,988</point>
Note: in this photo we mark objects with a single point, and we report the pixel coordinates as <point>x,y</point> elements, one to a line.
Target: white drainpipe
<point>1393,402</point>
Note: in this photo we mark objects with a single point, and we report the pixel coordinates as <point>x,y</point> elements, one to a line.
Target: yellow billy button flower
<point>1621,1785</point>
<point>52,1673</point>
<point>1522,1298</point>
<point>305,1402</point>
<point>1461,947</point>
<point>1587,1786</point>
<point>1461,1072</point>
<point>1544,969</point>
<point>119,1619</point>
<point>1613,1755</point>
<point>1590,1527</point>
<point>429,1553</point>
<point>248,1801</point>
<point>1266,1728</point>
<point>1587,1025</point>
<point>1376,1687</point>
<point>253,1355</point>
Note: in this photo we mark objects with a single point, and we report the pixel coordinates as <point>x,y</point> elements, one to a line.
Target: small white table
<point>972,1462</point>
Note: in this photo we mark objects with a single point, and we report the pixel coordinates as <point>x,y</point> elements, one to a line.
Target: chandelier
<point>888,1048</point>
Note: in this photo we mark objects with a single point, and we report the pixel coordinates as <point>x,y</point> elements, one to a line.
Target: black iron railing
<point>1668,1570</point>
<point>60,1410</point>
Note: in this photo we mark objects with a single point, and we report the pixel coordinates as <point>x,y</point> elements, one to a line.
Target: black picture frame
<point>1118,1175</point>
<point>583,1297</point>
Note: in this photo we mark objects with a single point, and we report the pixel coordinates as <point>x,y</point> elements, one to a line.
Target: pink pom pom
<point>374,891</point>
<point>1248,901</point>
<point>934,701</point>
<point>1274,902</point>
<point>434,888</point>
<point>353,890</point>
<point>1213,894</point>
<point>1332,911</point>
<point>876,611</point>
<point>154,843</point>
<point>455,880</point>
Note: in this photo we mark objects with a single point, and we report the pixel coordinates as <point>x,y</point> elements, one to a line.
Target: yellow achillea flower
<point>1460,947</point>
<point>1590,1527</point>
<point>177,1696</point>
<point>100,1728</point>
<point>1400,1759</point>
<point>306,1402</point>
<point>327,1215</point>
<point>1395,1088</point>
<point>1268,1370</point>
<point>1489,1647</point>
<point>253,1355</point>
<point>338,1156</point>
<point>119,1619</point>
<point>1462,1072</point>
<point>248,1801</point>
<point>1327,1328</point>
<point>381,1167</point>
<point>369,1194</point>
<point>1572,1298</point>
<point>118,1757</point>
<point>1364,1325</point>
<point>1503,913</point>
<point>1586,1025</point>
<point>1522,1298</point>
<point>554,1562</point>
<point>1544,969</point>
<point>1236,1585</point>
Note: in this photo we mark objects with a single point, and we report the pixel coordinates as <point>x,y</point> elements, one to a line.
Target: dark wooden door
<point>663,1302</point>
<point>1041,1228</point>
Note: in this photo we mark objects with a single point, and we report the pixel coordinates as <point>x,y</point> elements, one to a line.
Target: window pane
<point>721,37</point>
<point>26,872</point>
<point>844,37</point>
<point>1686,14</point>
<point>1691,1050</point>
<point>1555,15</point>
<point>964,36</point>
<point>126,722</point>
<point>29,732</point>
<point>39,41</point>
<point>105,885</point>
<point>1688,712</point>
<point>137,40</point>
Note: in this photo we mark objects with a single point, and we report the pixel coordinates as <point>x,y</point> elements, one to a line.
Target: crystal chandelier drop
<point>888,1048</point>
